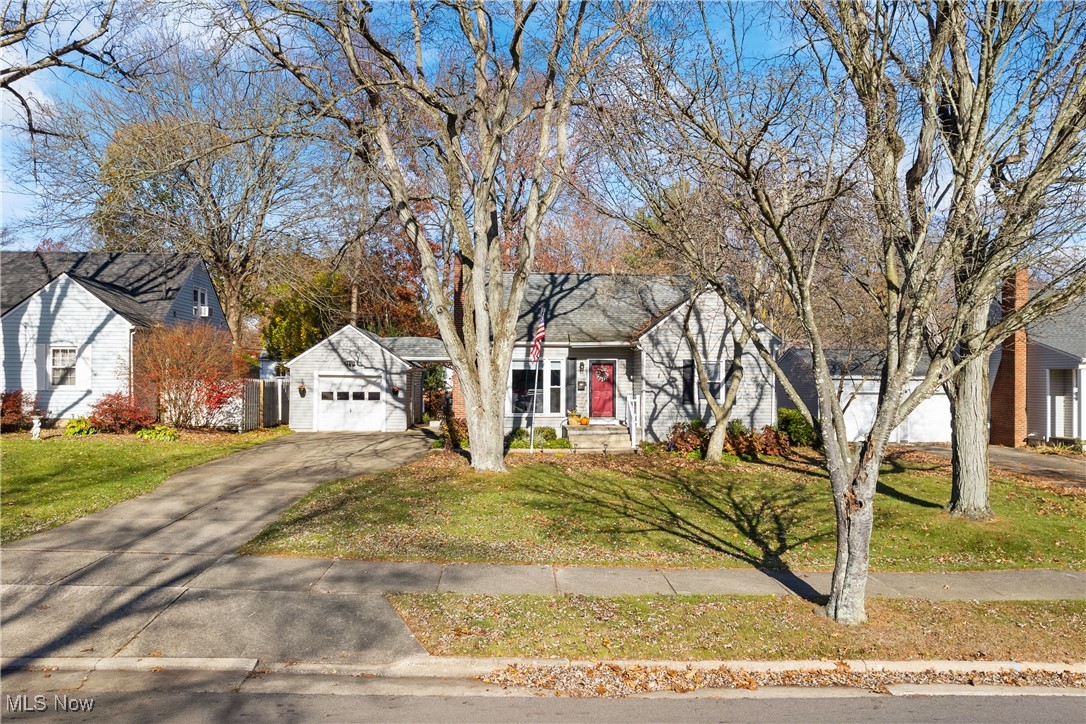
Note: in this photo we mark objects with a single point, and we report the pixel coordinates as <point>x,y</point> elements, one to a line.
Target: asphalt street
<point>186,708</point>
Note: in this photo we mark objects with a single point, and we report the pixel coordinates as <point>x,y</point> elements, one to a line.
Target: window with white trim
<point>62,366</point>
<point>199,301</point>
<point>527,386</point>
<point>717,374</point>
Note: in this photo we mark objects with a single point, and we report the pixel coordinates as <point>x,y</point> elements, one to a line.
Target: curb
<point>450,667</point>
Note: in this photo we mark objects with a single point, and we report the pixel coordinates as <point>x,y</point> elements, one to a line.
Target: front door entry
<point>601,381</point>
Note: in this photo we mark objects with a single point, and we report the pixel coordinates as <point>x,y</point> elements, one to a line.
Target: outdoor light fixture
<point>301,389</point>
<point>580,367</point>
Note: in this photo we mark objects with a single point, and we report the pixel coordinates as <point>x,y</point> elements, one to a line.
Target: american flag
<point>537,341</point>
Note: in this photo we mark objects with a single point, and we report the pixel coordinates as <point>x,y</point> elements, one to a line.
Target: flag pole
<point>535,402</point>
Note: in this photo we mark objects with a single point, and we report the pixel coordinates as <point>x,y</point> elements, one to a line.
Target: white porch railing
<point>633,419</point>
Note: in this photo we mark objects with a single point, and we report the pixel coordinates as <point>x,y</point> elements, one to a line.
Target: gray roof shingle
<point>139,287</point>
<point>583,308</point>
<point>415,348</point>
<point>1065,331</point>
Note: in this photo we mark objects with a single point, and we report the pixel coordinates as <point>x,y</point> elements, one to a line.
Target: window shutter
<point>571,385</point>
<point>84,374</point>
<point>42,365</point>
<point>688,381</point>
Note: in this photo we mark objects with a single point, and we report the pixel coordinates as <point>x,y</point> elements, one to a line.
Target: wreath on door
<point>601,374</point>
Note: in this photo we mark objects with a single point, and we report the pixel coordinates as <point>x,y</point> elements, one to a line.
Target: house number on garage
<point>350,363</point>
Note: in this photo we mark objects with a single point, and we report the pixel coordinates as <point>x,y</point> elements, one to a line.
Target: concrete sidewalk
<point>59,604</point>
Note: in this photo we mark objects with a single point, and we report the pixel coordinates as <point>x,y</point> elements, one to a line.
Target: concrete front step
<point>599,438</point>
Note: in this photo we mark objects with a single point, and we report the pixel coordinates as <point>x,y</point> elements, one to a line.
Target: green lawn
<point>741,627</point>
<point>637,510</point>
<point>49,482</point>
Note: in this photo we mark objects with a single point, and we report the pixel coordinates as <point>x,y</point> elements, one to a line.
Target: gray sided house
<point>356,381</point>
<point>1056,376</point>
<point>615,352</point>
<point>67,319</point>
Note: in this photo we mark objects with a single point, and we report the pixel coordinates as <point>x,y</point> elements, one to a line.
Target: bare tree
<point>199,157</point>
<point>452,92</point>
<point>75,35</point>
<point>1011,109</point>
<point>802,151</point>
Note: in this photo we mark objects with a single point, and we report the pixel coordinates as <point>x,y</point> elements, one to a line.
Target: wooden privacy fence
<point>264,403</point>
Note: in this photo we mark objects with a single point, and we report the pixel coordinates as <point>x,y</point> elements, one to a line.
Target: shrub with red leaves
<point>686,437</point>
<point>16,408</point>
<point>120,412</point>
<point>772,441</point>
<point>192,370</point>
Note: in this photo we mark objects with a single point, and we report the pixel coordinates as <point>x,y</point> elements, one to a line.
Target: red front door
<point>601,380</point>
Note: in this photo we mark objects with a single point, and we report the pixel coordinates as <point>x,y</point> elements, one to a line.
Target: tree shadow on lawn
<point>704,514</point>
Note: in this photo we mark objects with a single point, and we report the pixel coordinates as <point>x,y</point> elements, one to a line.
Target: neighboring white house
<point>856,374</point>
<point>67,319</point>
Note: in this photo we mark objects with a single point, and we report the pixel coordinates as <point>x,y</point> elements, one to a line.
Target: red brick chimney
<point>1008,408</point>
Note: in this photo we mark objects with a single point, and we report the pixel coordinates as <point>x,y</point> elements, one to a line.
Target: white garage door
<point>929,422</point>
<point>353,404</point>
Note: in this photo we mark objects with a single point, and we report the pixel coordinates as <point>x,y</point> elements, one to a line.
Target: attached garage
<point>352,382</point>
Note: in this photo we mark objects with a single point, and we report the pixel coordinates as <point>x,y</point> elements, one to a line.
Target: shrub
<point>120,412</point>
<point>455,433</point>
<point>793,424</point>
<point>558,443</point>
<point>686,437</point>
<point>517,435</point>
<point>193,370</point>
<point>545,434</point>
<point>157,432</point>
<point>740,440</point>
<point>16,409</point>
<point>79,426</point>
<point>650,448</point>
<point>772,441</point>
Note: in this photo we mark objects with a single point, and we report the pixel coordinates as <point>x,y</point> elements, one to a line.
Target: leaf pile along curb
<point>616,680</point>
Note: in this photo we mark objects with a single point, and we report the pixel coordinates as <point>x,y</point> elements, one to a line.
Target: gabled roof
<point>351,329</point>
<point>1064,331</point>
<point>582,308</point>
<point>139,287</point>
<point>601,308</point>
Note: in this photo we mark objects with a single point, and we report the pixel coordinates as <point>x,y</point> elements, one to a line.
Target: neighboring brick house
<point>68,319</point>
<point>1037,394</point>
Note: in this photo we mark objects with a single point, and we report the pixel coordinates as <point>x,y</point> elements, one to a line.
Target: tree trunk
<point>854,506</point>
<point>968,395</point>
<point>714,449</point>
<point>486,432</point>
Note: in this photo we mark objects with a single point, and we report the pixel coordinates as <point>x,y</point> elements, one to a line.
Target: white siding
<point>665,349</point>
<point>328,358</point>
<point>63,313</point>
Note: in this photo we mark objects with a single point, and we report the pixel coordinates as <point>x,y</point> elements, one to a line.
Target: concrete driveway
<point>122,579</point>
<point>1067,471</point>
